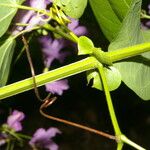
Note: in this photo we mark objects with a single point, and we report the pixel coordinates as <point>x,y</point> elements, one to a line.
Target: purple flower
<point>30,17</point>
<point>51,49</point>
<point>14,120</point>
<point>57,87</point>
<point>76,29</point>
<point>43,139</point>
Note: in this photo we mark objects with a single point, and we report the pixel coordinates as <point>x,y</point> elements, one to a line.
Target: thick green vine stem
<point>109,101</point>
<point>69,70</point>
<point>108,58</point>
<point>119,136</point>
<point>127,52</point>
<point>57,74</point>
<point>131,143</point>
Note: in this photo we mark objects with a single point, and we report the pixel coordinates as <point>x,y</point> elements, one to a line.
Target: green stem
<point>127,52</point>
<point>57,74</point>
<point>121,138</point>
<point>25,31</point>
<point>129,142</point>
<point>119,145</point>
<point>145,16</point>
<point>65,35</point>
<point>109,101</point>
<point>77,67</point>
<point>109,57</point>
<point>24,136</point>
<point>14,5</point>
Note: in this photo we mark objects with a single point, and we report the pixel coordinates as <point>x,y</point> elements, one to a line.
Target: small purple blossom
<point>51,49</point>
<point>30,17</point>
<point>43,139</point>
<point>14,120</point>
<point>57,87</point>
<point>76,29</point>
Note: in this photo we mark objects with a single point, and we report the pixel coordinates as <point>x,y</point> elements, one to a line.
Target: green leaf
<point>135,71</point>
<point>113,77</point>
<point>146,35</point>
<point>73,8</point>
<point>7,14</point>
<point>6,53</point>
<point>120,7</point>
<point>85,45</point>
<point>110,14</point>
<point>130,33</point>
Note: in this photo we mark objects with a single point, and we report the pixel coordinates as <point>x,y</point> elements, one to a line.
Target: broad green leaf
<point>120,7</point>
<point>130,31</point>
<point>146,35</point>
<point>73,8</point>
<point>85,45</point>
<point>135,71</point>
<point>6,53</point>
<point>110,14</point>
<point>106,17</point>
<point>113,77</point>
<point>7,14</point>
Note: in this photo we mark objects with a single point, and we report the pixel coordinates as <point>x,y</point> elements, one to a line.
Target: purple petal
<point>81,30</point>
<point>30,17</point>
<point>40,4</point>
<point>51,50</point>
<point>148,23</point>
<point>52,146</point>
<point>75,28</point>
<point>42,138</point>
<point>74,23</point>
<point>14,120</point>
<point>57,87</point>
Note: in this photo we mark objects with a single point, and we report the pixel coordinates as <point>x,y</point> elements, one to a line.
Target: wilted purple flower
<point>43,139</point>
<point>14,120</point>
<point>30,17</point>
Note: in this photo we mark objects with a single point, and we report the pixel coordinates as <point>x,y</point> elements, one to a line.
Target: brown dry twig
<point>49,102</point>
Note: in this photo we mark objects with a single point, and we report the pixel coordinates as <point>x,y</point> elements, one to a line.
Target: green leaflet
<point>73,8</point>
<point>6,53</point>
<point>109,14</point>
<point>7,14</point>
<point>85,45</point>
<point>113,77</point>
<point>135,71</point>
